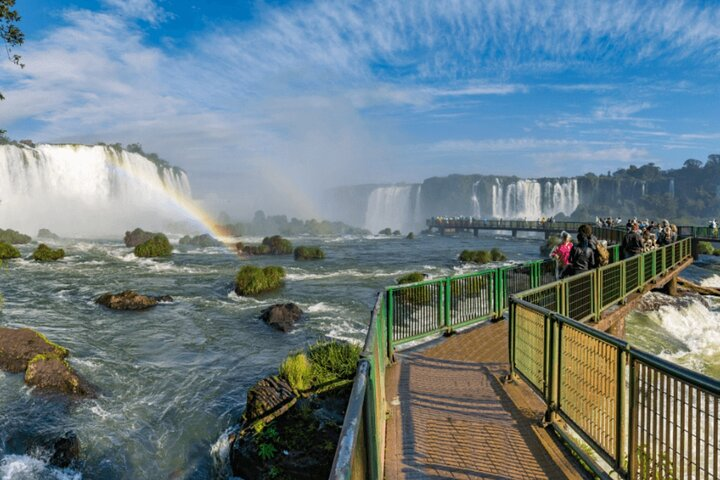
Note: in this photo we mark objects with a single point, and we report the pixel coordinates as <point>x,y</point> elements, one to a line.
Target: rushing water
<point>174,378</point>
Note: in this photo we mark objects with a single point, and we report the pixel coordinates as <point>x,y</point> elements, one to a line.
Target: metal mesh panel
<point>530,345</point>
<point>545,297</point>
<point>632,274</point>
<point>518,279</point>
<point>675,427</point>
<point>416,310</point>
<point>668,256</point>
<point>648,265</point>
<point>588,385</point>
<point>611,291</point>
<point>472,297</point>
<point>580,294</point>
<point>547,272</point>
<point>658,261</point>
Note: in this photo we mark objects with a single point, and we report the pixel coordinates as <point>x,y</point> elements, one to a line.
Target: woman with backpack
<point>561,254</point>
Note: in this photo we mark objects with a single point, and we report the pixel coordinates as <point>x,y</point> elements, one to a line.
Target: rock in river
<point>282,316</point>
<point>130,300</point>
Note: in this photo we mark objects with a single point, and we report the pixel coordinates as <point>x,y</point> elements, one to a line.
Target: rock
<point>136,237</point>
<point>66,449</point>
<point>130,300</point>
<point>46,234</point>
<point>252,280</point>
<point>54,374</point>
<point>268,399</point>
<point>44,364</point>
<point>19,346</point>
<point>157,246</point>
<point>410,236</point>
<point>203,240</point>
<point>308,253</point>
<point>282,316</point>
<point>7,251</point>
<point>43,253</point>
<point>14,237</point>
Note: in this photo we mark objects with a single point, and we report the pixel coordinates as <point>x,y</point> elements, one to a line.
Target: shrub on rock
<point>157,246</point>
<point>137,236</point>
<point>309,253</point>
<point>705,248</point>
<point>7,251</point>
<point>252,280</point>
<point>410,278</point>
<point>13,237</point>
<point>278,245</point>
<point>47,234</point>
<point>46,254</point>
<point>497,255</point>
<point>332,361</point>
<point>202,241</point>
<point>297,370</point>
<point>385,231</point>
<point>410,236</point>
<point>476,256</point>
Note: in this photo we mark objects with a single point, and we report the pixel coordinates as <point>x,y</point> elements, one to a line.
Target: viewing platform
<point>527,385</point>
<point>446,225</point>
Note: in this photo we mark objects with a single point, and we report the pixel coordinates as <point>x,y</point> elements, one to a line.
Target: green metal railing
<point>593,381</point>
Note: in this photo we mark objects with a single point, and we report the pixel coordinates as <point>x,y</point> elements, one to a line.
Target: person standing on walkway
<point>632,243</point>
<point>561,254</point>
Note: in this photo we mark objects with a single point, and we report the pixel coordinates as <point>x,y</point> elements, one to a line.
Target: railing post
<point>632,406</point>
<point>512,315</point>
<point>390,347</point>
<point>448,303</point>
<point>621,410</point>
<point>554,368</point>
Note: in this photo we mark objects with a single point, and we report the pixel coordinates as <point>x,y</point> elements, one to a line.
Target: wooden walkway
<point>451,416</point>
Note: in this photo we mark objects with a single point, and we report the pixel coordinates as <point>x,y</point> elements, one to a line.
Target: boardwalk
<point>452,417</point>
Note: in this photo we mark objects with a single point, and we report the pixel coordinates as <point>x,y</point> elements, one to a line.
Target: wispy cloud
<point>147,10</point>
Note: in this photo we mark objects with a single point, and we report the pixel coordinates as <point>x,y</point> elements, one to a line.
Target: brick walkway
<point>452,417</point>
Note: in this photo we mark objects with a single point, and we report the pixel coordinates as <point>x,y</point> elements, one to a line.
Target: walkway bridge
<point>445,225</point>
<point>530,396</point>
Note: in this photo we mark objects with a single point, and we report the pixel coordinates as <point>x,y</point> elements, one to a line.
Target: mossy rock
<point>410,236</point>
<point>705,248</point>
<point>476,256</point>
<point>278,245</point>
<point>137,237</point>
<point>51,373</point>
<point>308,253</point>
<point>47,234</point>
<point>497,255</point>
<point>385,231</point>
<point>412,277</point>
<point>157,246</point>
<point>14,237</point>
<point>43,253</point>
<point>201,241</point>
<point>396,233</point>
<point>252,280</point>
<point>7,251</point>
<point>716,252</point>
<point>256,250</point>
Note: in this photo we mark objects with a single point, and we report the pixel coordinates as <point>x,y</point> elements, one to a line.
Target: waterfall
<point>671,187</point>
<point>81,190</point>
<point>390,207</point>
<point>419,218</point>
<point>475,201</point>
<point>530,199</point>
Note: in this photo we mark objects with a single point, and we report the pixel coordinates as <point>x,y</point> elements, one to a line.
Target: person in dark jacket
<point>582,255</point>
<point>632,243</point>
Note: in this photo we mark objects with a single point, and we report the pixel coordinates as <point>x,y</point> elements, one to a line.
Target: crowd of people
<point>466,221</point>
<point>587,252</point>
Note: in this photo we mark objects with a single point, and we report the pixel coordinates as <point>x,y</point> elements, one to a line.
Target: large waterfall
<point>85,190</point>
<point>394,207</point>
<point>530,199</point>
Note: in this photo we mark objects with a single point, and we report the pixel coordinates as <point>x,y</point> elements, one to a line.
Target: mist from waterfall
<point>477,213</point>
<point>530,199</point>
<point>78,190</point>
<point>391,207</point>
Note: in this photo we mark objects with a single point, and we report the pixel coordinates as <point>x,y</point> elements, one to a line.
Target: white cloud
<point>147,10</point>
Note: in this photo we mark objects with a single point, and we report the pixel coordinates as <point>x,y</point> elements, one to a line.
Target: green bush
<point>14,237</point>
<point>256,250</point>
<point>410,236</point>
<point>46,254</point>
<point>278,245</point>
<point>309,253</point>
<point>716,252</point>
<point>385,231</point>
<point>397,233</point>
<point>8,251</point>
<point>296,369</point>
<point>497,255</point>
<point>476,256</point>
<point>705,248</point>
<point>410,278</point>
<point>157,246</point>
<point>252,280</point>
<point>202,241</point>
<point>332,361</point>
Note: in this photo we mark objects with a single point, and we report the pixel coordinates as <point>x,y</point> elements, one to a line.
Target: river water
<point>173,379</point>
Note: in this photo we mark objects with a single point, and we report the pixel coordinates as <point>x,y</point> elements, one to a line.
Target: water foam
<point>24,467</point>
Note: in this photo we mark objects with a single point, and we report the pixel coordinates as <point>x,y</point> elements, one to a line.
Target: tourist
<point>561,254</point>
<point>632,243</point>
<point>582,255</point>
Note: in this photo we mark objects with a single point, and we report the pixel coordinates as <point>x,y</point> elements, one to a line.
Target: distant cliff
<point>690,193</point>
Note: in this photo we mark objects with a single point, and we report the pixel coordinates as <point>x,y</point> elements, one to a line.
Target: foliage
<point>661,467</point>
<point>8,251</point>
<point>266,451</point>
<point>385,231</point>
<point>411,277</point>
<point>332,361</point>
<point>296,369</point>
<point>9,31</point>
<point>716,252</point>
<point>396,233</point>
<point>410,236</point>
<point>476,256</point>
<point>497,255</point>
<point>157,246</point>
<point>153,157</point>
<point>309,253</point>
<point>13,236</point>
<point>280,225</point>
<point>252,280</point>
<point>705,248</point>
<point>43,253</point>
<point>203,240</point>
<point>256,250</point>
<point>278,245</point>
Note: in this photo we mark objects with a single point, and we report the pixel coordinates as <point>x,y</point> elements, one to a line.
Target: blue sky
<point>323,93</point>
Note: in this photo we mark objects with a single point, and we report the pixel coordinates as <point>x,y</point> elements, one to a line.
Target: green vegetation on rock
<point>13,236</point>
<point>43,253</point>
<point>297,370</point>
<point>278,245</point>
<point>309,253</point>
<point>482,256</point>
<point>8,251</point>
<point>252,280</point>
<point>410,236</point>
<point>705,248</point>
<point>157,246</point>
<point>203,240</point>
<point>410,278</point>
<point>332,361</point>
<point>497,255</point>
<point>385,231</point>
